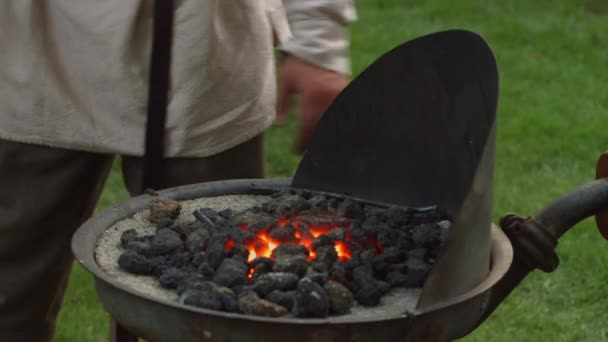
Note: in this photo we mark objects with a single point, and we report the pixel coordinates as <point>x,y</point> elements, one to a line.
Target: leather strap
<point>158,91</point>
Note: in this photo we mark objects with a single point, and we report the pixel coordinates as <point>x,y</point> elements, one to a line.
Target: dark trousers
<point>46,193</point>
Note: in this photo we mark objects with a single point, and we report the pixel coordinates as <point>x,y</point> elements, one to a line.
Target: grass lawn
<point>553,111</point>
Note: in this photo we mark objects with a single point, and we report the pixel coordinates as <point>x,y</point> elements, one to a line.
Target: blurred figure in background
<point>315,63</point>
<point>73,95</point>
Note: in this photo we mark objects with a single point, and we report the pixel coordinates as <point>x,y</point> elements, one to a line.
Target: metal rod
<point>565,212</point>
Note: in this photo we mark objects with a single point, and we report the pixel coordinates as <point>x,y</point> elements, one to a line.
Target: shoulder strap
<point>158,91</point>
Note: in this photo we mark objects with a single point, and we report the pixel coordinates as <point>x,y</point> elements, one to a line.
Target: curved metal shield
<point>416,128</point>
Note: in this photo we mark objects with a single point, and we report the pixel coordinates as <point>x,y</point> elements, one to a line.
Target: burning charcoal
<point>285,299</point>
<point>165,241</point>
<point>228,298</point>
<point>179,260</point>
<point>305,233</point>
<point>354,261</point>
<point>396,278</point>
<point>135,263</point>
<point>288,205</point>
<point>318,201</point>
<point>240,250</point>
<point>360,237</point>
<point>418,253</point>
<point>311,300</point>
<point>252,304</point>
<point>332,203</point>
<point>227,214</point>
<point>256,222</point>
<point>417,270</point>
<point>444,225</point>
<point>208,216</point>
<point>318,277</point>
<point>216,251</point>
<point>185,229</point>
<point>320,241</point>
<point>231,273</point>
<point>277,194</point>
<point>138,245</point>
<point>171,278</point>
<point>206,271</point>
<point>338,272</point>
<point>192,281</point>
<point>340,298</point>
<point>327,255</point>
<point>163,208</point>
<point>240,235</point>
<point>269,282</point>
<point>369,289</point>
<point>283,235</point>
<point>337,234</point>
<point>444,229</point>
<point>261,265</point>
<point>128,236</point>
<point>289,250</point>
<point>393,255</point>
<point>367,257</point>
<point>199,258</point>
<point>197,240</point>
<point>230,303</point>
<point>317,266</point>
<point>398,216</point>
<point>370,225</point>
<point>349,208</point>
<point>291,263</point>
<point>208,297</point>
<point>425,235</point>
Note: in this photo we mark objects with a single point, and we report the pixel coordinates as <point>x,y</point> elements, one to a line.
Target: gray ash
<point>306,254</point>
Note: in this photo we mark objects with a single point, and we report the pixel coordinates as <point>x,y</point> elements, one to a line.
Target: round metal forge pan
<point>160,320</point>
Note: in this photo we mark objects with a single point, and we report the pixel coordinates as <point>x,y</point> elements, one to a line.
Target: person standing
<point>73,92</point>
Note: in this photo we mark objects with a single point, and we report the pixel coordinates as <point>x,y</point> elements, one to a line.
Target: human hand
<point>317,88</point>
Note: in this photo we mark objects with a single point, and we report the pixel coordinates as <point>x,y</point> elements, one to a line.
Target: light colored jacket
<point>73,73</point>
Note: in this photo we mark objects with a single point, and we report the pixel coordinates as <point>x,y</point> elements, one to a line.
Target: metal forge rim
<point>159,319</point>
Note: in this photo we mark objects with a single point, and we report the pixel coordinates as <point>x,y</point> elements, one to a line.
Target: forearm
<point>320,32</point>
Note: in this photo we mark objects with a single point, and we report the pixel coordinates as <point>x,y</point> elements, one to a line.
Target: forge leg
<point>119,334</point>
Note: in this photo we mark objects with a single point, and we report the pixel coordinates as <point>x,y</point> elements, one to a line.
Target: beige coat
<point>73,73</point>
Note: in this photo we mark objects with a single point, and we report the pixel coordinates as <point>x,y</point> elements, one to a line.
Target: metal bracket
<point>534,245</point>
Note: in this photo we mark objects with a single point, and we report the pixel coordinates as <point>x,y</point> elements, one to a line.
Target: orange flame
<point>264,246</point>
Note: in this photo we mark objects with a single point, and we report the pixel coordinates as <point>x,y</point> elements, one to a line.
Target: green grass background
<point>553,107</point>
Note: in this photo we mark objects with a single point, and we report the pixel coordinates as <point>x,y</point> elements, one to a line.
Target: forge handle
<point>534,238</point>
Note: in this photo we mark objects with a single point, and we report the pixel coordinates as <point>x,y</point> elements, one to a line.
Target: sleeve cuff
<point>320,41</point>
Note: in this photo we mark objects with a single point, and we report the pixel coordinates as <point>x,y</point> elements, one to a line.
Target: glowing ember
<point>265,245</point>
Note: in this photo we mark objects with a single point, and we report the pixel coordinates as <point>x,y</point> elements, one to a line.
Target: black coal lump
<point>369,290</point>
<point>327,255</point>
<point>231,273</point>
<point>215,251</point>
<point>135,263</point>
<point>208,297</point>
<point>197,240</point>
<point>297,264</point>
<point>320,241</point>
<point>284,234</point>
<point>340,298</point>
<point>261,265</point>
<point>349,208</point>
<point>337,234</point>
<point>240,250</point>
<point>165,241</point>
<point>171,277</point>
<point>285,299</point>
<point>318,277</point>
<point>127,236</point>
<point>417,271</point>
<point>289,249</point>
<point>206,271</point>
<point>269,282</point>
<point>311,300</point>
